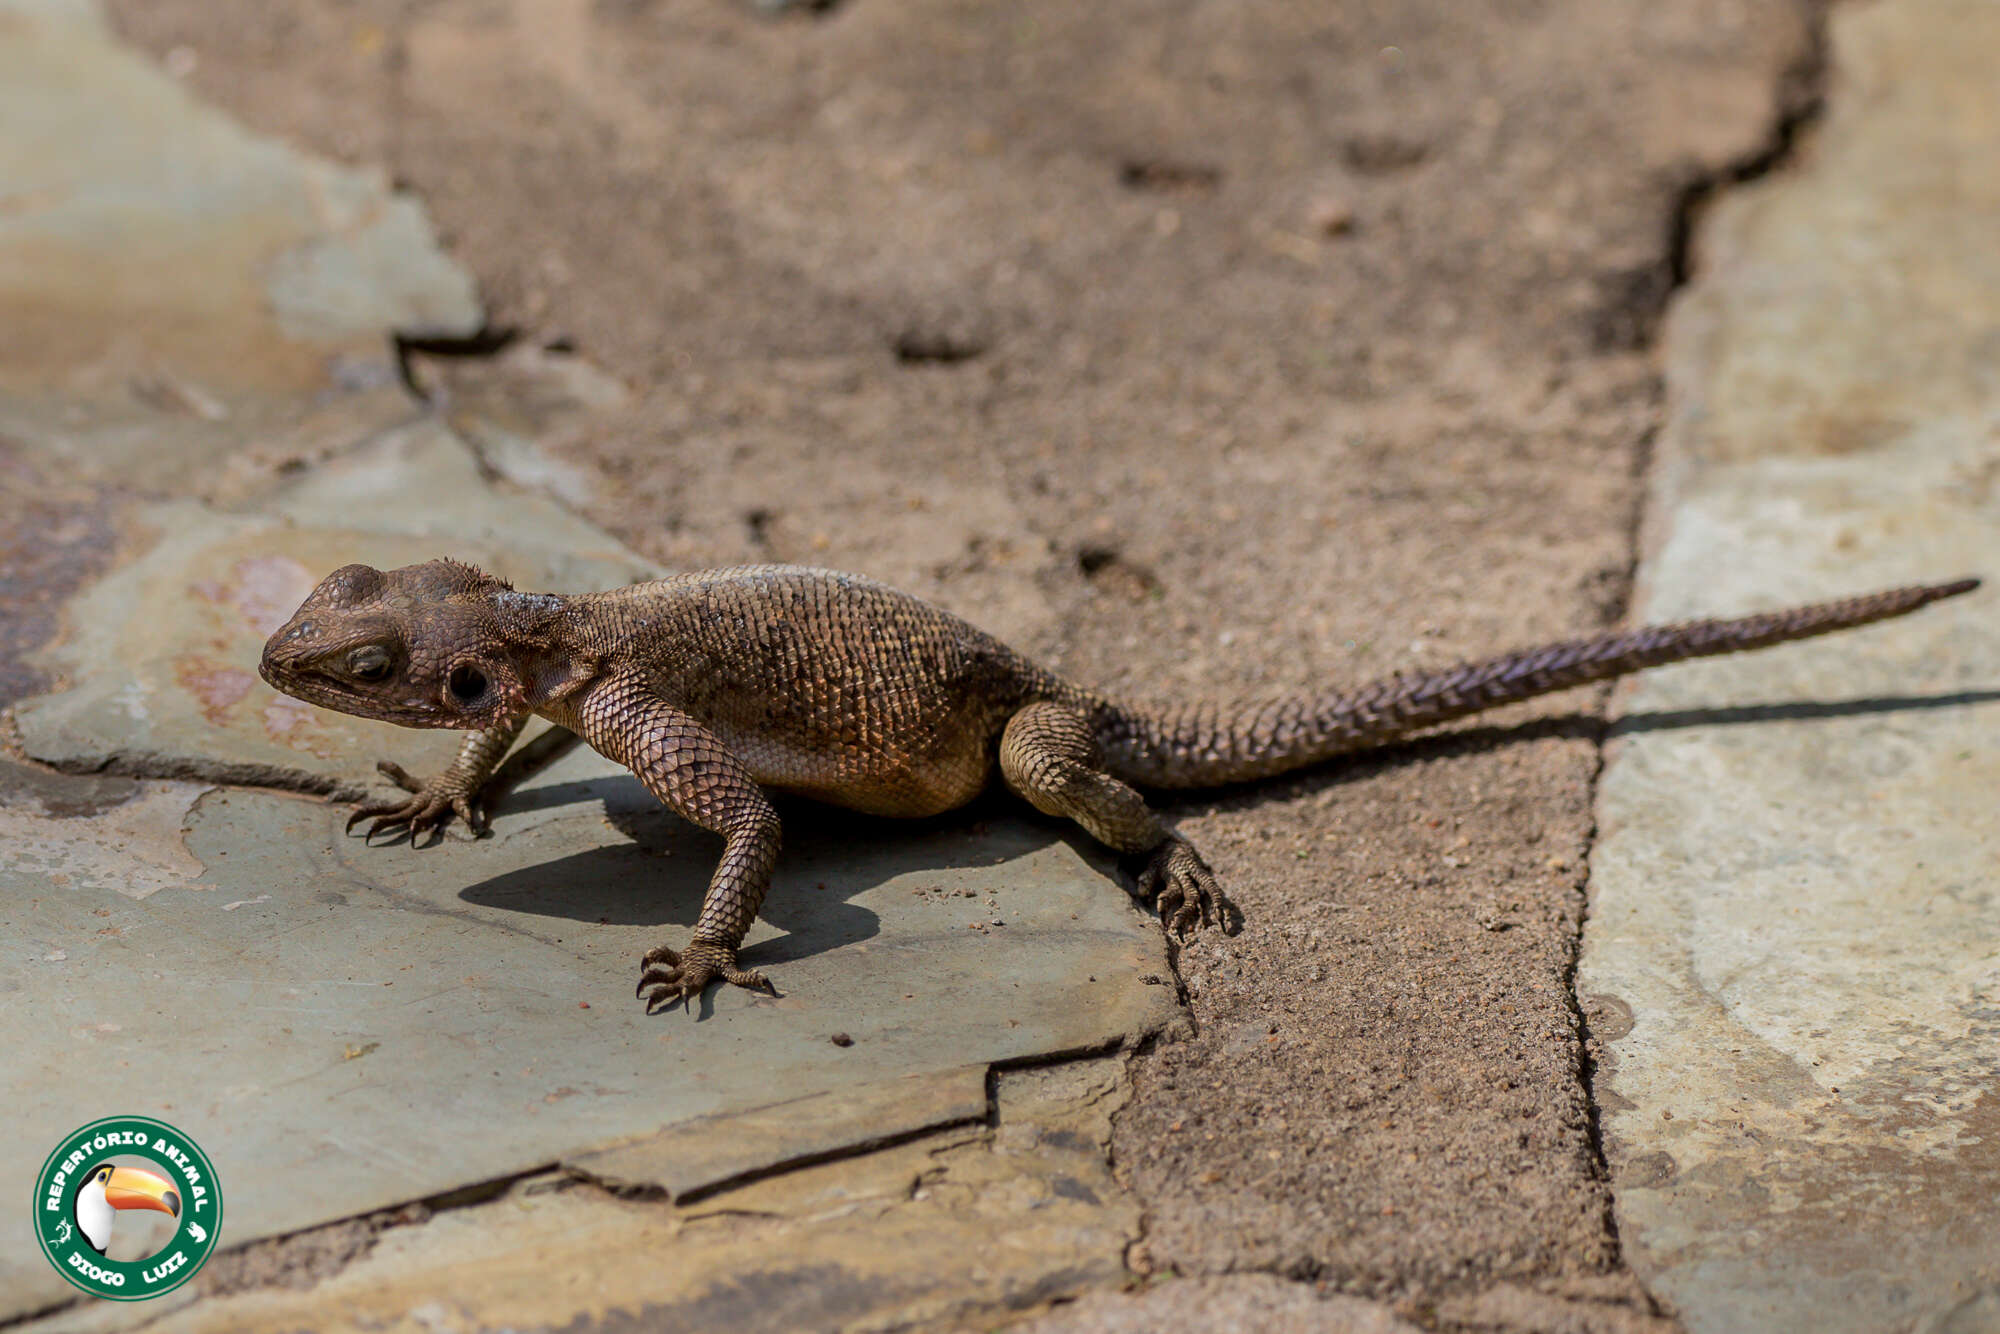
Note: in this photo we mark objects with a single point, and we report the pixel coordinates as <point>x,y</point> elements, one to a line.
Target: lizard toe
<point>395,822</point>
<point>1227,915</point>
<point>1148,883</point>
<point>748,978</point>
<point>663,996</point>
<point>382,812</point>
<point>669,976</point>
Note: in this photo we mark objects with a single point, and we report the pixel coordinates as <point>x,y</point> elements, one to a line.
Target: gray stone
<point>517,406</point>
<point>344,1027</point>
<point>1792,948</point>
<point>174,283</point>
<point>954,1230</point>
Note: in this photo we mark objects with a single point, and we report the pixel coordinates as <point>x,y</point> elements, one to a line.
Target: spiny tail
<point>1206,745</point>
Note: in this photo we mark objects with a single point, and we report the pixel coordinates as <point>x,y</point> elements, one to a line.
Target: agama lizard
<point>715,686</point>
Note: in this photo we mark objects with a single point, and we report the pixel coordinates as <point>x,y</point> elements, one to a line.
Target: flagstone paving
<point>434,1103</point>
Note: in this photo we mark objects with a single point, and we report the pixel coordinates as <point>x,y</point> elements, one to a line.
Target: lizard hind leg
<point>1049,757</point>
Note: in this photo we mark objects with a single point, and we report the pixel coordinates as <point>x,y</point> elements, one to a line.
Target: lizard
<point>719,687</point>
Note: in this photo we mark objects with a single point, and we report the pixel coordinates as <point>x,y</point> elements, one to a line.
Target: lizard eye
<point>466,683</point>
<point>370,662</point>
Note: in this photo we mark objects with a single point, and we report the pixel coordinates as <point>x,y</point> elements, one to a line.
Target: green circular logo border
<point>154,1128</point>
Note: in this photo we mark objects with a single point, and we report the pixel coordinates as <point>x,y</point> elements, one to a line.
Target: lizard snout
<point>284,651</point>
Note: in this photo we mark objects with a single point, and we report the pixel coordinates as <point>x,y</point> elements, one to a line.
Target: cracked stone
<point>949,1231</point>
<point>457,971</point>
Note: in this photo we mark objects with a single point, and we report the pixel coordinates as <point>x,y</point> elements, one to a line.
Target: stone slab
<point>707,1152</point>
<point>957,1230</point>
<point>346,1027</point>
<point>171,279</point>
<point>1793,954</point>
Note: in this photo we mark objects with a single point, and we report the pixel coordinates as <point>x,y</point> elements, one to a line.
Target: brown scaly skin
<point>715,686</point>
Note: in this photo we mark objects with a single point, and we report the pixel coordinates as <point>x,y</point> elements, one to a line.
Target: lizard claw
<point>1184,891</point>
<point>666,975</point>
<point>429,807</point>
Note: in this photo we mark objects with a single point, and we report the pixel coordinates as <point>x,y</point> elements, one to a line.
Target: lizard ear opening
<point>468,685</point>
<point>474,687</point>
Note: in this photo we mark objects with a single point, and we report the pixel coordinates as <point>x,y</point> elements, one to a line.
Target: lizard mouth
<point>342,699</point>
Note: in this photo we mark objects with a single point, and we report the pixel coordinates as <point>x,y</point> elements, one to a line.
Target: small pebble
<point>841,1040</point>
<point>1332,217</point>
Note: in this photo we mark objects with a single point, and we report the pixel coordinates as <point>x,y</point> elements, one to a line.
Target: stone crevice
<point>1800,100</point>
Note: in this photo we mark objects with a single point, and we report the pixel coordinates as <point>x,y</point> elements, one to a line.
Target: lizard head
<point>421,646</point>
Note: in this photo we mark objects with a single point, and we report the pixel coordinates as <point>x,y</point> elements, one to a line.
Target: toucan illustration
<point>109,1188</point>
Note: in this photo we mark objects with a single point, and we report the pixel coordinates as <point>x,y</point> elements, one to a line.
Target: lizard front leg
<point>697,777</point>
<point>459,788</point>
<point>475,780</point>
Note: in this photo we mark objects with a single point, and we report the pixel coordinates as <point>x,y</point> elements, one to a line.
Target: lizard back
<point>826,684</point>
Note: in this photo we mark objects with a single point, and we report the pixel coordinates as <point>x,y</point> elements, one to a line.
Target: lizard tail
<point>1206,745</point>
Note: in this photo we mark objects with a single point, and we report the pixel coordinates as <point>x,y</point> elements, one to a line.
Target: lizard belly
<point>874,784</point>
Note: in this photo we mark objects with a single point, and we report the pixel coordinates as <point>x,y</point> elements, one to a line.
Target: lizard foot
<point>674,975</point>
<point>429,807</point>
<point>1185,892</point>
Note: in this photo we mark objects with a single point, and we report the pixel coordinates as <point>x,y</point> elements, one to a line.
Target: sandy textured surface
<point>1239,347</point>
<point>1197,348</point>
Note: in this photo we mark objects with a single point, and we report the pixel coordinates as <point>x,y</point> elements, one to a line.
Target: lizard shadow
<point>1633,724</point>
<point>1483,737</point>
<point>658,877</point>
<point>830,857</point>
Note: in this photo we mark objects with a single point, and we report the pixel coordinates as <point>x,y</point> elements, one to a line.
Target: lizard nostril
<point>467,683</point>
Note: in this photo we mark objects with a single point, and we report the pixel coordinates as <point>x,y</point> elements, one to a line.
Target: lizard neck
<point>542,634</point>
